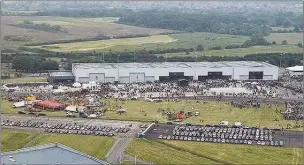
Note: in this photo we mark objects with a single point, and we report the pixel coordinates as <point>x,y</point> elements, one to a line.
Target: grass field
<point>242,51</point>
<point>210,113</point>
<point>76,27</point>
<point>95,146</point>
<point>282,28</point>
<point>291,38</point>
<point>184,40</point>
<point>24,79</point>
<point>106,44</point>
<point>179,152</point>
<point>12,140</point>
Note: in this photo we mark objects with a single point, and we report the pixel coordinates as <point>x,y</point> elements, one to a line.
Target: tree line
<point>25,63</point>
<point>255,39</point>
<point>235,23</point>
<point>216,21</point>
<point>42,26</point>
<point>35,63</point>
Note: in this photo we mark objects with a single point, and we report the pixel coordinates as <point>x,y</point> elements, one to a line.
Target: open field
<point>184,40</point>
<point>105,44</point>
<point>291,38</point>
<point>177,152</point>
<point>76,27</point>
<point>282,28</point>
<point>13,140</point>
<point>24,79</point>
<point>211,112</point>
<point>242,51</point>
<point>95,146</point>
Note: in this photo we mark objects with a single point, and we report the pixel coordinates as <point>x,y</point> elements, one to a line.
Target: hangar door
<point>149,79</point>
<point>268,77</point>
<point>137,77</point>
<point>110,79</point>
<point>97,77</point>
<point>83,79</point>
<point>124,79</point>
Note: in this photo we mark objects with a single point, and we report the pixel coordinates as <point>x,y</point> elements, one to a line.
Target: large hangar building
<point>150,72</point>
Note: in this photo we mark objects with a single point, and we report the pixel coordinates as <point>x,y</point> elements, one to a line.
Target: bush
<point>300,45</point>
<point>284,42</point>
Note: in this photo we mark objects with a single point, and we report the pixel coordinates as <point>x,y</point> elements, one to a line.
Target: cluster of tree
<point>278,59</point>
<point>42,26</point>
<point>255,39</point>
<point>20,38</point>
<point>91,13</point>
<point>98,37</point>
<point>216,21</point>
<point>33,64</point>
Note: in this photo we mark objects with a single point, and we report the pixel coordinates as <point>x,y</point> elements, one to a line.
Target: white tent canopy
<point>77,85</point>
<point>295,68</point>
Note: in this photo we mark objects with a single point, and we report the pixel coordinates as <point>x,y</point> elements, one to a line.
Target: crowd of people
<point>294,110</point>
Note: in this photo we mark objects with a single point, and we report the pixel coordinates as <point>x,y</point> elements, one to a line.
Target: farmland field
<point>242,51</point>
<point>76,27</point>
<point>106,44</point>
<point>175,152</point>
<point>291,38</point>
<point>95,146</point>
<point>183,40</point>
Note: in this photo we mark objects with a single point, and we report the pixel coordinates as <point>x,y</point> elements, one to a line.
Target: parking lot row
<point>67,127</point>
<point>221,140</point>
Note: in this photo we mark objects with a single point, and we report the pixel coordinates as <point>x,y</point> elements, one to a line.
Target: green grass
<point>282,28</point>
<point>12,140</point>
<point>184,40</point>
<point>84,28</point>
<point>7,108</point>
<point>57,59</point>
<point>106,44</point>
<point>291,38</point>
<point>63,21</point>
<point>242,51</point>
<point>95,146</point>
<point>127,163</point>
<point>211,113</point>
<point>177,152</point>
<point>162,154</point>
<point>24,79</point>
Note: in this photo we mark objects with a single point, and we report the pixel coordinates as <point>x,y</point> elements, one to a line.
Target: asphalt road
<point>117,152</point>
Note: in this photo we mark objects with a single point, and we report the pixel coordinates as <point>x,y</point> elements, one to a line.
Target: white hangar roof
<point>173,65</point>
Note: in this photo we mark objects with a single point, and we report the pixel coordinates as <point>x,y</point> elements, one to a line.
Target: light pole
<point>103,58</point>
<point>135,159</point>
<point>118,67</point>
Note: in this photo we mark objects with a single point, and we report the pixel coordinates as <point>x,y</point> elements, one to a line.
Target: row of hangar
<point>151,72</point>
